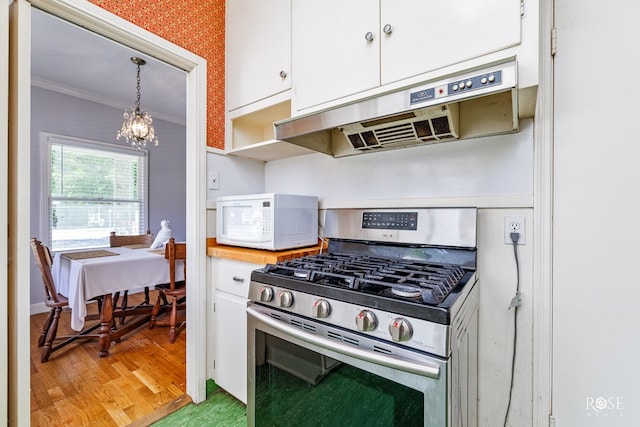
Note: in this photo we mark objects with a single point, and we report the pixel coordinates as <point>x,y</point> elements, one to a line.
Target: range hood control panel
<point>477,82</point>
<point>457,86</point>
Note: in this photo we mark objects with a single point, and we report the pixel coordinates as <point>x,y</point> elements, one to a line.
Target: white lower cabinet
<point>231,289</point>
<point>230,363</point>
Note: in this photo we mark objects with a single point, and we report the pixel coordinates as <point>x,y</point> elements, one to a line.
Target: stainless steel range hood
<point>480,102</point>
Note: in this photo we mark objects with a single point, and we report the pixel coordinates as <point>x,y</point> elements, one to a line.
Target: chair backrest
<point>137,239</point>
<point>172,252</point>
<point>45,261</point>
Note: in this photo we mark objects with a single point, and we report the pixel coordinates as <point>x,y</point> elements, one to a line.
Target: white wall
<point>596,205</point>
<point>66,115</point>
<point>501,165</point>
<point>494,174</point>
<point>236,176</point>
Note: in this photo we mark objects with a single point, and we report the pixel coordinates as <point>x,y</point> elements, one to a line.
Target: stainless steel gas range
<point>379,330</point>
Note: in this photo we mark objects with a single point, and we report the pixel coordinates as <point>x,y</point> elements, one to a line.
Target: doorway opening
<point>96,20</point>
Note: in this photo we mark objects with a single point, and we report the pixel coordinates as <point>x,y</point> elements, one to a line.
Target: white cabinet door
<point>429,34</point>
<point>331,56</point>
<point>230,341</point>
<point>231,281</point>
<point>332,59</point>
<point>258,50</point>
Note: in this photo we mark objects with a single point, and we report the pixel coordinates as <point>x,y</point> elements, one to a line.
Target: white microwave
<point>267,221</point>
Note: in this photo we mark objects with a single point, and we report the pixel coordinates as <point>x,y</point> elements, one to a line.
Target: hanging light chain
<point>138,89</point>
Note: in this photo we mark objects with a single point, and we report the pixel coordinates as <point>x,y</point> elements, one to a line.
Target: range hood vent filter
<point>429,126</point>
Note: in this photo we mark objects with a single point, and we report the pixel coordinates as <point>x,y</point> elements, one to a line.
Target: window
<point>92,189</point>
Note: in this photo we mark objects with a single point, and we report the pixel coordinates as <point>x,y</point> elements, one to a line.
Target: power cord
<point>321,237</point>
<point>515,303</point>
<point>322,245</point>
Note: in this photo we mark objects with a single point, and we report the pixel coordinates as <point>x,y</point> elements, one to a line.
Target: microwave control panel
<point>266,217</point>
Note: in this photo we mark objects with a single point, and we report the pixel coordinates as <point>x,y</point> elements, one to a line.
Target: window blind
<point>94,189</point>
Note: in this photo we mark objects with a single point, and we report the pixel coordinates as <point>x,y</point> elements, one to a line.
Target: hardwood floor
<point>142,379</point>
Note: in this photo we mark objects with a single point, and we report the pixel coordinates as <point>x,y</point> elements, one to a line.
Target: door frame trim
<point>111,26</point>
<point>4,201</point>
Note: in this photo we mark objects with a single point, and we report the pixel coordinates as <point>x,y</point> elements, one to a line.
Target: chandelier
<point>137,128</point>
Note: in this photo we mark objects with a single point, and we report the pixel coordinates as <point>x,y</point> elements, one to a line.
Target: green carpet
<point>219,410</point>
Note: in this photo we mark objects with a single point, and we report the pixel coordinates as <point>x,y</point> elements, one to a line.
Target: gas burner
<point>288,271</point>
<point>430,295</point>
<point>406,291</point>
<point>333,279</point>
<point>301,274</point>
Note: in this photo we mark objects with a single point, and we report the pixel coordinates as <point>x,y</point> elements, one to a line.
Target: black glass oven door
<point>296,378</point>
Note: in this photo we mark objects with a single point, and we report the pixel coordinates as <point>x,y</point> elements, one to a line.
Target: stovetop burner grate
<point>414,280</point>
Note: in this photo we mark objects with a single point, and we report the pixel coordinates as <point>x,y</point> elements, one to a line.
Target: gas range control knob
<point>366,321</point>
<point>266,294</point>
<point>321,309</point>
<point>400,329</point>
<point>285,299</point>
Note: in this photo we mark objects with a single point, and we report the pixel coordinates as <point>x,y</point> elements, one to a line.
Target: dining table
<point>98,274</point>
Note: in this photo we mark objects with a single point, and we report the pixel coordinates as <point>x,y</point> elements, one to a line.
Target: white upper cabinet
<point>290,57</point>
<point>344,47</point>
<point>336,49</point>
<point>258,50</point>
<point>424,35</point>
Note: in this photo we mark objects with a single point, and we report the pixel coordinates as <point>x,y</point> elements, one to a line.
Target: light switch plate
<point>213,180</point>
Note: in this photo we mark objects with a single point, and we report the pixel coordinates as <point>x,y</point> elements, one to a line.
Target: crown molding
<point>104,100</point>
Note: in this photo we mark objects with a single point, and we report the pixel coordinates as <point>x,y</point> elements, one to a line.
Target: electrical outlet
<point>213,180</point>
<point>514,225</point>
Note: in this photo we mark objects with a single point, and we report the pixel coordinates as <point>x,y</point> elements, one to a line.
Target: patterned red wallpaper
<point>195,25</point>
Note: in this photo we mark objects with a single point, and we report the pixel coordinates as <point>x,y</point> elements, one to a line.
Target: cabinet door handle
<point>238,279</point>
<point>283,74</point>
<point>369,36</point>
<point>387,29</point>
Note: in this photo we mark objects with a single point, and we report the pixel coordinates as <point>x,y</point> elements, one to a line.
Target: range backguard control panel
<point>390,220</point>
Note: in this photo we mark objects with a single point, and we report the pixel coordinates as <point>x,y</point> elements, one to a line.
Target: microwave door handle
<point>424,369</point>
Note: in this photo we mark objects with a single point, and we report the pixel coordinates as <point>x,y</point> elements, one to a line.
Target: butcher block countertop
<point>257,256</point>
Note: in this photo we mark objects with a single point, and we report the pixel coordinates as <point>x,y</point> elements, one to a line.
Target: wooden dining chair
<point>136,239</point>
<point>142,240</point>
<point>175,292</point>
<point>55,302</point>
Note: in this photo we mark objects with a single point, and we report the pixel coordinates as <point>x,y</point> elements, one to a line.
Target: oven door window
<point>295,386</point>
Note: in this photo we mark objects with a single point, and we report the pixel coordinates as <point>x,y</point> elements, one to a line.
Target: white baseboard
<point>38,308</point>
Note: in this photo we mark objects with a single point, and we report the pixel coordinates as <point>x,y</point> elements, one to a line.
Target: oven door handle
<point>424,369</point>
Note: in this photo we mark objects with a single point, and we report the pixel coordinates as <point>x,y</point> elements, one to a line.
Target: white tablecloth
<point>83,279</point>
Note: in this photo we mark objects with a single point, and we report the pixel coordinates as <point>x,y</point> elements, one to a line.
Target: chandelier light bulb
<point>137,128</point>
